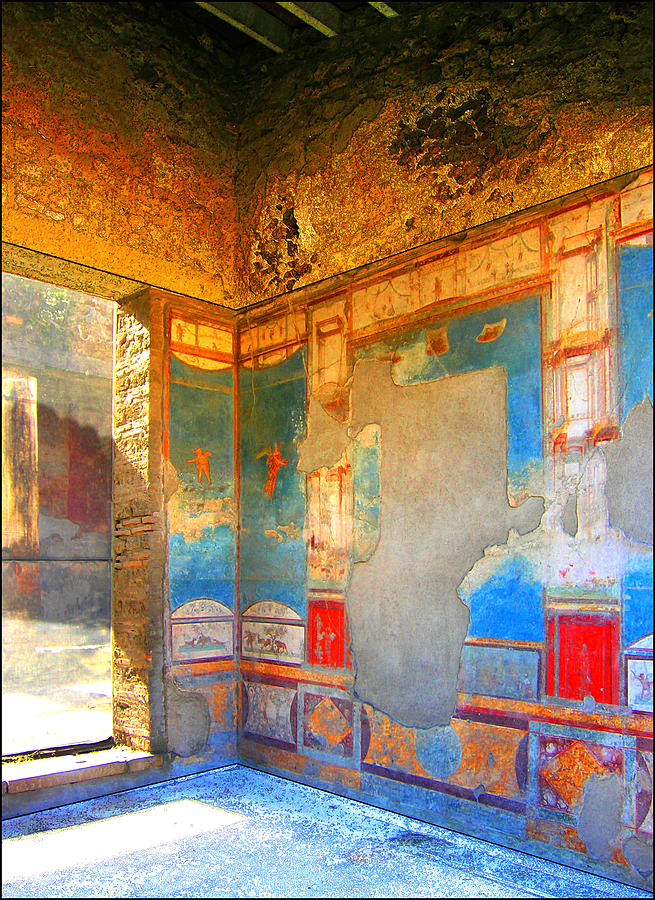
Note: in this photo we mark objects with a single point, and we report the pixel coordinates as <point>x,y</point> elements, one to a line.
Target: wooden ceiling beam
<point>253,21</point>
<point>384,9</point>
<point>324,17</point>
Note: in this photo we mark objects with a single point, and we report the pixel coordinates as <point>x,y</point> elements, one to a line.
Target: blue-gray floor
<point>235,832</point>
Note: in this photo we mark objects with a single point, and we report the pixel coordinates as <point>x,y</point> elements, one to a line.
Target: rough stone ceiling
<point>265,171</point>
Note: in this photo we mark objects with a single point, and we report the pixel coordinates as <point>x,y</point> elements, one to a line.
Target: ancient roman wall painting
<point>272,560</point>
<point>272,631</point>
<point>202,519</point>
<point>202,630</point>
<point>446,486</point>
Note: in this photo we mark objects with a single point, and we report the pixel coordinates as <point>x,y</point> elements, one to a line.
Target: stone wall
<point>383,138</point>
<point>118,143</point>
<point>138,545</point>
<point>133,143</point>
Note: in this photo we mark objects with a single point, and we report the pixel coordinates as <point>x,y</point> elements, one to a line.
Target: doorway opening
<point>57,352</point>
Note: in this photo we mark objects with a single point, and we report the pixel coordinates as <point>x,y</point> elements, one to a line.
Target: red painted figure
<point>274,462</point>
<point>201,459</point>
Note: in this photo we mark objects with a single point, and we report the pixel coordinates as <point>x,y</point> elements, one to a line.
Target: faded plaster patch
<point>366,516</point>
<point>443,475</point>
<point>589,704</point>
<point>640,854</point>
<point>570,515</point>
<point>527,515</point>
<point>594,557</point>
<point>599,822</point>
<point>439,750</point>
<point>325,442</point>
<point>629,488</point>
<point>191,512</point>
<point>188,720</point>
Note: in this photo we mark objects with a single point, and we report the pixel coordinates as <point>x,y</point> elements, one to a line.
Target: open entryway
<point>56,516</point>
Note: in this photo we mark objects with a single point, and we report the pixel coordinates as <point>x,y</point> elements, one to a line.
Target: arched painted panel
<point>273,631</point>
<point>202,630</point>
<point>201,608</point>
<point>269,609</point>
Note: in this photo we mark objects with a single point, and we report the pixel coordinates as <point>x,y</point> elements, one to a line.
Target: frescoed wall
<point>470,583</point>
<point>272,558</point>
<point>272,549</point>
<point>408,506</point>
<point>202,537</point>
<point>409,532</point>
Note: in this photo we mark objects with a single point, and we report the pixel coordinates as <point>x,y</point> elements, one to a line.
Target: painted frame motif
<point>639,675</point>
<point>328,724</point>
<point>560,760</point>
<point>270,711</point>
<point>273,632</point>
<point>496,670</point>
<point>202,630</point>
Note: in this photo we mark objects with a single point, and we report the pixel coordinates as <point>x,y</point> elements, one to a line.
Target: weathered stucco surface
<point>188,720</point>
<point>599,822</point>
<point>325,442</point>
<point>640,855</point>
<point>118,143</point>
<point>629,487</point>
<point>443,477</point>
<point>425,125</point>
<point>236,179</point>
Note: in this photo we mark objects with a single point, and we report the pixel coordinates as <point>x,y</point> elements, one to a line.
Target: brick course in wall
<point>138,570</point>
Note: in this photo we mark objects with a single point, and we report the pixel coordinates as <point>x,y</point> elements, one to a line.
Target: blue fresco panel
<point>290,593</point>
<point>203,568</point>
<point>181,371</point>
<point>638,601</point>
<point>517,350</point>
<point>202,556</point>
<point>635,325</point>
<point>273,415</point>
<point>203,418</point>
<point>509,605</point>
<point>366,487</point>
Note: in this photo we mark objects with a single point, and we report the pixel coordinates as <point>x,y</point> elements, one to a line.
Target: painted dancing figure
<point>201,459</point>
<point>274,462</point>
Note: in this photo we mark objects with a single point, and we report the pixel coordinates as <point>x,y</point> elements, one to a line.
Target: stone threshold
<point>58,771</point>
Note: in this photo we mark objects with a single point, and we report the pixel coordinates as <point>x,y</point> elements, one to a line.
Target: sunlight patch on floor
<point>93,842</point>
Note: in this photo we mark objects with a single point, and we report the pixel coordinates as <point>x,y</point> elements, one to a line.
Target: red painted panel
<point>327,633</point>
<point>589,657</point>
<point>550,658</point>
